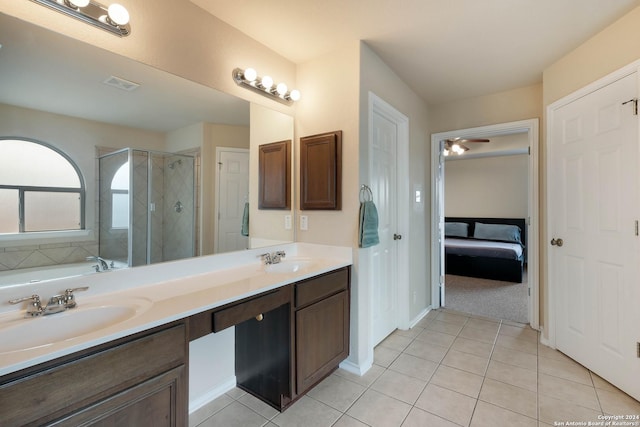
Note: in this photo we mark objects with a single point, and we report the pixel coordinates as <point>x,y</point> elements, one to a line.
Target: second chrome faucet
<point>273,257</point>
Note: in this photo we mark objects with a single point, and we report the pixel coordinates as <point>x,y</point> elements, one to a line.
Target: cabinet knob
<point>259,317</point>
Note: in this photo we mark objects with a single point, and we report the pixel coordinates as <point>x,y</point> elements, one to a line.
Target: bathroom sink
<point>30,333</point>
<point>290,265</point>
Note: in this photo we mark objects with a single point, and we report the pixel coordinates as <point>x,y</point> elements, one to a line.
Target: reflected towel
<point>368,234</point>
<point>245,220</point>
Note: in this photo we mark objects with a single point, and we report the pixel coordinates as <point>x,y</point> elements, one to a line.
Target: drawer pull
<point>259,317</point>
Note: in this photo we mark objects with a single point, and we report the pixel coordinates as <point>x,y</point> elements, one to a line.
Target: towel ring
<point>366,195</point>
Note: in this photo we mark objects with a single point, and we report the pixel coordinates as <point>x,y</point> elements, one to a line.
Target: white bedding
<point>487,248</point>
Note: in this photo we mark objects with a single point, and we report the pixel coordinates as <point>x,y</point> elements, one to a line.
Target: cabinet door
<point>322,339</point>
<point>152,403</point>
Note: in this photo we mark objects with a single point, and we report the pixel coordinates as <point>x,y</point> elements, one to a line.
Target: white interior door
<point>593,212</point>
<point>384,273</point>
<point>233,193</point>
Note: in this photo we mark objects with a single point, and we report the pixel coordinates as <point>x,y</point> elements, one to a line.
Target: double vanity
<point>123,355</point>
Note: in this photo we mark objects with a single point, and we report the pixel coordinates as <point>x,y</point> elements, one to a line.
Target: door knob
<point>557,242</point>
<point>397,236</point>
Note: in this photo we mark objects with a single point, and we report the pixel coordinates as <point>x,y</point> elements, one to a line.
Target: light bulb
<point>267,82</point>
<point>446,152</point>
<point>281,88</point>
<point>295,95</point>
<point>250,75</point>
<point>79,3</point>
<point>118,14</point>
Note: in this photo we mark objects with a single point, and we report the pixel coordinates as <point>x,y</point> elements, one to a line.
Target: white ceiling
<point>444,49</point>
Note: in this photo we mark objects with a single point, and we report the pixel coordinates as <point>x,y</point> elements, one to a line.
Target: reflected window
<point>120,198</point>
<point>41,188</point>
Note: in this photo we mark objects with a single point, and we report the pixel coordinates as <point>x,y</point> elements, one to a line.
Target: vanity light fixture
<point>248,78</point>
<point>114,18</point>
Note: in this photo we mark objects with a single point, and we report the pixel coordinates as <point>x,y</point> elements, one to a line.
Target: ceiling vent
<point>121,83</point>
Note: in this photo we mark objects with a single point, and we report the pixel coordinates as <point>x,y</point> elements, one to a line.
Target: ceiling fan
<point>456,145</point>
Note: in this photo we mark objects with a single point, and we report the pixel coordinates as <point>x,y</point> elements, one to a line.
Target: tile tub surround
<point>528,386</point>
<point>177,289</point>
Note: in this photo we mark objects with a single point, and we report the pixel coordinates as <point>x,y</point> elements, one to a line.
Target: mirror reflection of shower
<point>146,206</point>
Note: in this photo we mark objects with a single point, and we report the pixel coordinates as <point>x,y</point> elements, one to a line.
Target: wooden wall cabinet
<point>321,171</point>
<point>138,380</point>
<point>274,172</point>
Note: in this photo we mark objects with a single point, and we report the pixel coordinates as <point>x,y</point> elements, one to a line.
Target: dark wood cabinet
<point>321,171</point>
<point>274,175</point>
<point>130,381</point>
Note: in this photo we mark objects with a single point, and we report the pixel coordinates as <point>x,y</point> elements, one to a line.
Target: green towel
<point>368,234</point>
<point>245,220</point>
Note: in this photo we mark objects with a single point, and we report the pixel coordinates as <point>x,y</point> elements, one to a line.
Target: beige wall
<point>502,107</point>
<point>490,187</point>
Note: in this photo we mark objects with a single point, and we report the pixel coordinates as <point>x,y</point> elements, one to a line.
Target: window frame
<point>22,189</point>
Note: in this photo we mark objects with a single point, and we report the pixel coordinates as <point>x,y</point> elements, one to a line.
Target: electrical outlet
<point>287,222</point>
<point>304,222</point>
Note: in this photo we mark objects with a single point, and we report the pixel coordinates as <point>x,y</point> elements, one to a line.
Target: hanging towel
<point>245,220</point>
<point>368,235</point>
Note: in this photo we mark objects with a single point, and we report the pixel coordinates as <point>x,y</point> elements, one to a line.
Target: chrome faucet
<point>102,266</point>
<point>273,257</point>
<point>57,303</point>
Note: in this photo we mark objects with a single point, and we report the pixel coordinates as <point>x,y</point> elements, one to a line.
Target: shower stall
<point>146,206</point>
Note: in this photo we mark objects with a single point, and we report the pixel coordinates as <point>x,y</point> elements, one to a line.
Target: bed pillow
<point>456,229</point>
<point>503,232</point>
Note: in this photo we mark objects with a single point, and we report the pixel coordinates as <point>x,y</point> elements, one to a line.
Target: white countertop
<point>168,292</point>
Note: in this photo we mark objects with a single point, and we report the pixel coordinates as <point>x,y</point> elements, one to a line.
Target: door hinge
<point>638,350</point>
<point>635,105</point>
<point>637,227</point>
<point>529,290</point>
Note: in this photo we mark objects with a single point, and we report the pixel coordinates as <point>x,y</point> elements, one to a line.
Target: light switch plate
<point>287,222</point>
<point>304,222</point>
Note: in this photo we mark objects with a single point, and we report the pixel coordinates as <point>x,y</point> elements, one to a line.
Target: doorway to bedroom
<point>485,211</point>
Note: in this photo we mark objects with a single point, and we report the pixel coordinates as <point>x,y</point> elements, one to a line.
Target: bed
<point>488,248</point>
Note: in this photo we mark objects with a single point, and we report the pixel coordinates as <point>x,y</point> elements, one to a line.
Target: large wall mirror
<point>169,166</point>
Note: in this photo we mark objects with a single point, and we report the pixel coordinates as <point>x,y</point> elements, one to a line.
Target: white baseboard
<point>354,368</point>
<point>212,394</point>
<point>419,317</point>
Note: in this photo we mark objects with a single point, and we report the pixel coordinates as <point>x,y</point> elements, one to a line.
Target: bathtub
<point>39,274</point>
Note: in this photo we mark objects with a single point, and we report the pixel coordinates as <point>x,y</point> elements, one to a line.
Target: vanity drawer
<point>320,287</point>
<point>250,308</point>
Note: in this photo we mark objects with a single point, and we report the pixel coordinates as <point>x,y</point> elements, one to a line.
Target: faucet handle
<point>70,298</point>
<point>35,308</point>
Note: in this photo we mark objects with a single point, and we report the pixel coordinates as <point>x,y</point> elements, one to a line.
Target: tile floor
<point>450,370</point>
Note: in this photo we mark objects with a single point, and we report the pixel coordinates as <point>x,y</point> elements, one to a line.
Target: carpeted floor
<point>490,298</point>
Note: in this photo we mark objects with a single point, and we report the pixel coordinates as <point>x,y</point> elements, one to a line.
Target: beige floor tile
<point>450,317</point>
<point>347,421</point>
<point>236,393</point>
<point>553,410</point>
<point>476,317</point>
<point>409,333</point>
<point>488,415</point>
<point>466,362</point>
<point>235,414</point>
<point>337,392</point>
<point>365,380</point>
<point>526,333</point>
<point>208,410</point>
<point>601,383</point>
<point>447,404</point>
<point>457,380</point>
<point>399,386</point>
<point>384,356</point>
<point>483,335</point>
<point>444,327</point>
<point>396,342</point>
<point>515,358</point>
<point>258,406</point>
<point>517,344</point>
<point>570,391</point>
<point>484,325</point>
<point>513,375</point>
<point>414,366</point>
<point>510,397</point>
<point>550,353</point>
<point>437,338</point>
<point>377,409</point>
<point>477,348</point>
<point>419,418</point>
<point>424,350</point>
<point>306,412</point>
<point>567,369</point>
<point>618,403</point>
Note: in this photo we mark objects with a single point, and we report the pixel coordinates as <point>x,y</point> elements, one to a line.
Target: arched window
<point>120,197</point>
<point>41,189</point>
